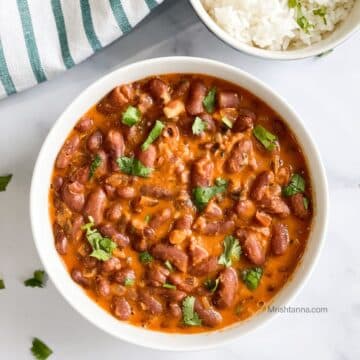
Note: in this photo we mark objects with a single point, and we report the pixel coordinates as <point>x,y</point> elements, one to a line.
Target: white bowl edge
<point>42,231</point>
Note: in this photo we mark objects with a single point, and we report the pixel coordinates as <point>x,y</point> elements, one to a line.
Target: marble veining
<point>324,91</point>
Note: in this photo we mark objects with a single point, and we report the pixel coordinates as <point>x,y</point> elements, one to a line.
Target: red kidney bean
<point>228,285</point>
<point>227,99</point>
<point>159,90</point>
<point>121,308</point>
<point>145,103</point>
<point>202,172</point>
<point>206,267</point>
<point>279,239</point>
<point>246,209</point>
<point>176,256</point>
<point>82,174</point>
<point>79,278</point>
<point>102,286</point>
<point>175,310</point>
<point>111,265</point>
<point>251,245</point>
<point>89,262</point>
<point>275,206</point>
<point>124,274</point>
<point>61,241</point>
<point>183,282</point>
<point>120,96</point>
<point>126,192</point>
<point>172,295</point>
<point>209,317</point>
<point>239,155</point>
<point>95,205</point>
<point>103,168</point>
<point>215,227</point>
<point>67,151</point>
<point>156,192</point>
<point>194,105</point>
<point>94,141</point>
<point>181,88</point>
<point>160,218</point>
<point>261,184</point>
<point>156,275</point>
<point>73,195</point>
<point>85,124</point>
<point>57,183</point>
<point>213,211</point>
<point>244,121</point>
<point>150,303</point>
<point>148,156</point>
<point>76,231</point>
<point>297,204</point>
<point>184,222</point>
<point>110,231</point>
<point>114,212</point>
<point>114,144</point>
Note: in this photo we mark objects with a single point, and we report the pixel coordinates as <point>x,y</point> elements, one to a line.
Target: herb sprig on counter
<point>4,181</point>
<point>38,280</point>
<point>40,350</point>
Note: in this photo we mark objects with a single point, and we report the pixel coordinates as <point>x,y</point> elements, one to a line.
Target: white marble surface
<point>324,91</point>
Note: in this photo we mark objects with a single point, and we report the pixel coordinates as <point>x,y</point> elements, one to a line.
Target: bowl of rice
<point>281,29</point>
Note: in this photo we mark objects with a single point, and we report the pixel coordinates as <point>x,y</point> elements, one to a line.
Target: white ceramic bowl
<point>350,25</point>
<point>41,226</point>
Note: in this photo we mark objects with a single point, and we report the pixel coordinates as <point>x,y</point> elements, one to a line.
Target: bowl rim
<point>77,298</point>
<point>296,54</point>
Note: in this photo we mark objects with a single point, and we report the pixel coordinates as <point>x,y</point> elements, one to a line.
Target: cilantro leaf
<point>131,116</point>
<point>321,12</point>
<point>232,251</point>
<point>190,316</point>
<point>292,3</point>
<point>211,284</point>
<point>145,257</point>
<point>40,350</point>
<point>202,195</point>
<point>153,135</point>
<point>132,166</point>
<point>4,181</point>
<point>38,280</point>
<point>209,100</point>
<point>198,126</point>
<point>94,165</point>
<point>266,138</point>
<point>129,282</point>
<point>102,247</point>
<point>169,286</point>
<point>252,277</point>
<point>296,185</point>
<point>2,284</point>
<point>227,122</point>
<point>168,265</point>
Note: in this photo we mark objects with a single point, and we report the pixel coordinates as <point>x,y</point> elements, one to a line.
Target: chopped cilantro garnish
<point>40,350</point>
<point>129,282</point>
<point>169,286</point>
<point>209,101</point>
<point>267,139</point>
<point>227,122</point>
<point>232,251</point>
<point>153,135</point>
<point>252,277</point>
<point>168,265</point>
<point>38,280</point>
<point>4,181</point>
<point>296,185</point>
<point>322,11</point>
<point>94,165</point>
<point>2,284</point>
<point>102,247</point>
<point>306,202</point>
<point>211,284</point>
<point>132,166</point>
<point>190,316</point>
<point>131,116</point>
<point>202,195</point>
<point>145,257</point>
<point>147,218</point>
<point>198,126</point>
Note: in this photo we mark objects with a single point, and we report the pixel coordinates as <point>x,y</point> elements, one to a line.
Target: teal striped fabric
<point>40,38</point>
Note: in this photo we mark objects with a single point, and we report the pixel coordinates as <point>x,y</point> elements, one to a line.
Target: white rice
<point>271,24</point>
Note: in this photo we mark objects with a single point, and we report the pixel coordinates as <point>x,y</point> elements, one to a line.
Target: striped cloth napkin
<point>39,38</point>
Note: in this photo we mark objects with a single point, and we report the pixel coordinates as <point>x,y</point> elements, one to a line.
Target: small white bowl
<point>347,28</point>
<point>39,203</point>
